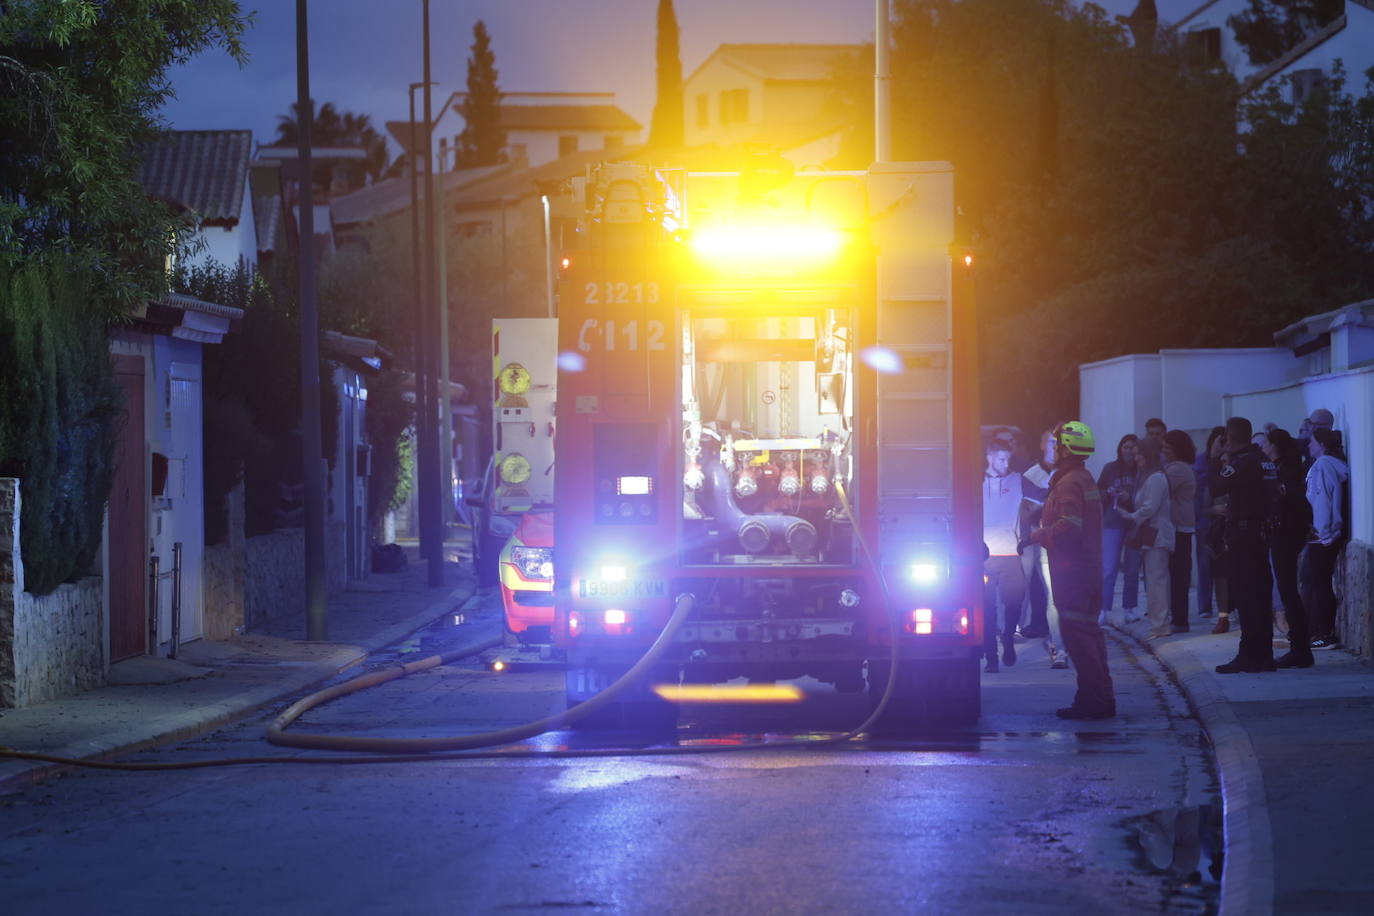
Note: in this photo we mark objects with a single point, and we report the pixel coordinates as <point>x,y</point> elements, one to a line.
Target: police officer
<point>1251,482</point>
<point>1071,531</point>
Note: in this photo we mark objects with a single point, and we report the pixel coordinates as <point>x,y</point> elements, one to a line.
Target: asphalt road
<point>1022,814</point>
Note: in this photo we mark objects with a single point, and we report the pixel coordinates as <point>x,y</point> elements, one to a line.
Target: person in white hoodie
<point>1325,483</point>
<point>1153,507</point>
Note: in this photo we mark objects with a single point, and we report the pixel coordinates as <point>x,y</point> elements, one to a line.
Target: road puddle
<point>1185,845</point>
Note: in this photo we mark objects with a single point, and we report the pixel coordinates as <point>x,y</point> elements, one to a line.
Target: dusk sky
<point>365,53</point>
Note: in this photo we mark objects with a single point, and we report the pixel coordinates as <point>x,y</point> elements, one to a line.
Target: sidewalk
<point>151,701</point>
<point>1293,749</point>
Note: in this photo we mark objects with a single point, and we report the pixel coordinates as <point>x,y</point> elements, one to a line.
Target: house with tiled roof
<point>1348,38</point>
<point>204,173</point>
<point>782,94</point>
<point>540,126</point>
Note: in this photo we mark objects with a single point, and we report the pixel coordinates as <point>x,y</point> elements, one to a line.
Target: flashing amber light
<point>566,263</point>
<point>729,693</point>
<point>968,260</point>
<point>766,243</point>
<point>498,666</point>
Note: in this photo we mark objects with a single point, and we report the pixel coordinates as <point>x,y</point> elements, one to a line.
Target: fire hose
<point>461,747</point>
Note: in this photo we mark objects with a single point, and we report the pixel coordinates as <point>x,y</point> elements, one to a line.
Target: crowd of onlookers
<point>1253,512</point>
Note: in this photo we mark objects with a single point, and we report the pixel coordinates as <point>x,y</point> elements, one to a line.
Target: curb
<point>188,724</point>
<point>1247,879</point>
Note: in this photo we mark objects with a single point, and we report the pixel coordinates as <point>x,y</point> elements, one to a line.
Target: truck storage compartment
<point>766,407</point>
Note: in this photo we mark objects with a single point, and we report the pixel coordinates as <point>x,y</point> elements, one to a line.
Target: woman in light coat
<point>1153,507</point>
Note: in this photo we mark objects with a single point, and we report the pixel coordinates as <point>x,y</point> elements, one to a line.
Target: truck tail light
<point>921,621</point>
<point>575,624</point>
<point>616,621</point>
<point>961,622</point>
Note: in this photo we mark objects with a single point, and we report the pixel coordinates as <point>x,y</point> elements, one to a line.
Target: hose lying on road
<point>398,750</point>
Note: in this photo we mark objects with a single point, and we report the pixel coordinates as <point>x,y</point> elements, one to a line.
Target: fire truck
<point>766,399</point>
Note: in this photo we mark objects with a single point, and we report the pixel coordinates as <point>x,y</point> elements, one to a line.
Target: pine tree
<point>665,131</point>
<point>483,141</point>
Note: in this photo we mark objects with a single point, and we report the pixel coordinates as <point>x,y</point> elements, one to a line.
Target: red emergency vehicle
<point>765,398</point>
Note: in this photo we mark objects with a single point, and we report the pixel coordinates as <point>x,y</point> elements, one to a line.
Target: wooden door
<point>129,521</point>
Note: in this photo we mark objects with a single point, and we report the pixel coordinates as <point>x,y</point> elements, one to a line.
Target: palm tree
<point>331,127</point>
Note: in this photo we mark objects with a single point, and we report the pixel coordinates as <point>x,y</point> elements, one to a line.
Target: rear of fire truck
<point>764,401</point>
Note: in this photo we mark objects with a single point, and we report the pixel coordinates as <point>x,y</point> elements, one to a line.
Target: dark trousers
<point>1319,561</point>
<point>1204,574</point>
<point>1005,580</point>
<point>1251,587</point>
<point>1180,577</point>
<point>1283,556</point>
<point>1088,651</point>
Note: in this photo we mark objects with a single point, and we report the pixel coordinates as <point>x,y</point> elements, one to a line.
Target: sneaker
<point>1294,660</point>
<point>1008,652</point>
<point>1325,642</point>
<point>1018,636</point>
<point>1086,712</point>
<point>1130,616</point>
<point>1059,659</point>
<point>1205,612</point>
<point>1223,625</point>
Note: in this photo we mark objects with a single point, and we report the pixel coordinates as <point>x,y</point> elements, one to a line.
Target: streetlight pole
<point>424,500</point>
<point>429,443</point>
<point>312,461</point>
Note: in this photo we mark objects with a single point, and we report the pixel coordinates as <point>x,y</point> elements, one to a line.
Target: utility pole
<point>424,501</point>
<point>316,608</point>
<point>429,442</point>
<point>882,84</point>
<point>445,408</point>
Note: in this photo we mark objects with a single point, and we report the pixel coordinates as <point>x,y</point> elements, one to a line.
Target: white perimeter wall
<point>1184,388</point>
<point>1116,397</point>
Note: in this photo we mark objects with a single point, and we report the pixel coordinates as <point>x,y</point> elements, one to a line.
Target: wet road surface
<point>1021,814</point>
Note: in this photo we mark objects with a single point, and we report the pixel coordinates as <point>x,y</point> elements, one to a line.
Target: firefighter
<point>1071,531</point>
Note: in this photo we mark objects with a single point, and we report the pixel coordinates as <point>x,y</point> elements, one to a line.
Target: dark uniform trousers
<point>1251,584</point>
<point>1087,649</point>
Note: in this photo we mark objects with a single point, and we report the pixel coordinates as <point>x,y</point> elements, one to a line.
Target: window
<point>613,141</point>
<point>734,106</point>
<point>1305,84</point>
<point>703,110</point>
<point>1204,45</point>
<point>567,145</point>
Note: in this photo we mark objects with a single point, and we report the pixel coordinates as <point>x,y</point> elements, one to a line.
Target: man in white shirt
<point>1002,572</point>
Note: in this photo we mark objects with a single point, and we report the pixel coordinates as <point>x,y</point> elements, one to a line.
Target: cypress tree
<point>483,140</point>
<point>665,131</point>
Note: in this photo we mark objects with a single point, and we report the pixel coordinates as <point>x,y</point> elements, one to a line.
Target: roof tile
<point>202,170</point>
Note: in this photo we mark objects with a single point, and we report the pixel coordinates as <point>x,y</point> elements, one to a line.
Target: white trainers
<point>1058,659</point>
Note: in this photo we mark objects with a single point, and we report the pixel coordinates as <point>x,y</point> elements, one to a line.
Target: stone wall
<point>50,646</point>
<point>224,570</point>
<point>1355,618</point>
<point>274,572</point>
